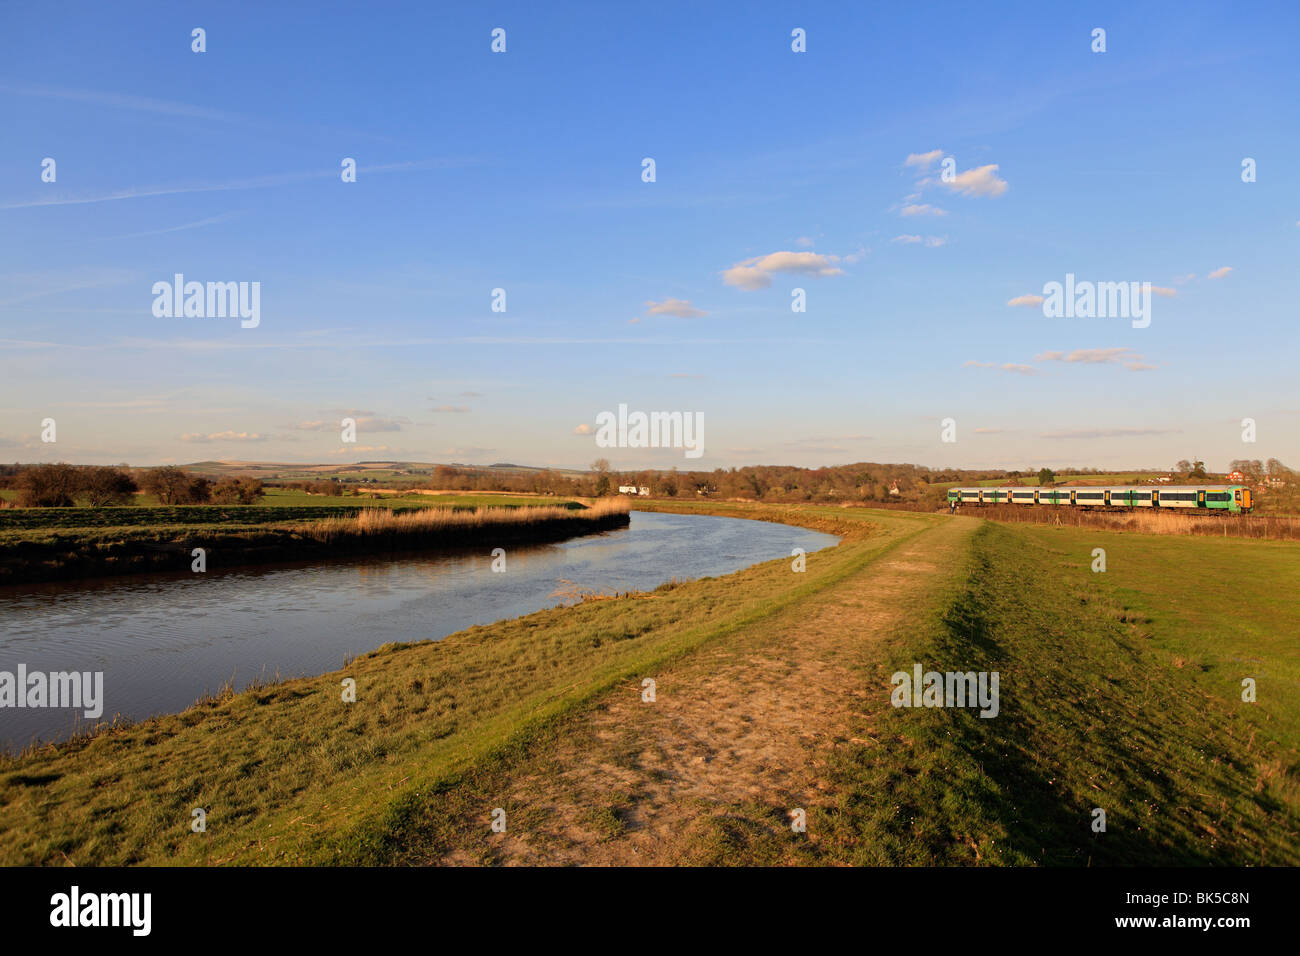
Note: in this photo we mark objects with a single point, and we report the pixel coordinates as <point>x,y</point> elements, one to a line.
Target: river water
<point>163,640</point>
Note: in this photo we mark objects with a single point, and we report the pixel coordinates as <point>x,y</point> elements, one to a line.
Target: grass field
<point>1119,690</point>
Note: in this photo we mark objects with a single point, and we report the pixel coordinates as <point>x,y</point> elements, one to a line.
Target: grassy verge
<point>1119,691</point>
<point>290,773</point>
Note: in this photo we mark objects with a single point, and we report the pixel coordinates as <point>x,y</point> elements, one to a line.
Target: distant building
<point>1165,479</point>
<point>1236,476</point>
<point>1275,482</point>
<point>633,490</point>
<point>893,488</point>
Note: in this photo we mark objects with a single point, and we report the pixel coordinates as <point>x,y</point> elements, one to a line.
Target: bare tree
<point>48,486</point>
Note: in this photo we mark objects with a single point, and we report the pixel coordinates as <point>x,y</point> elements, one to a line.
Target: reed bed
<point>1278,527</point>
<point>110,551</point>
<point>382,522</point>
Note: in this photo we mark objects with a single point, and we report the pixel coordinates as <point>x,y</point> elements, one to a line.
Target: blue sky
<point>522,171</point>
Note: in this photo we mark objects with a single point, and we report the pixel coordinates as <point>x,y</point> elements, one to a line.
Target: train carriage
<point>1231,499</point>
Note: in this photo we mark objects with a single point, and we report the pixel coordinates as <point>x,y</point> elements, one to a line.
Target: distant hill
<point>291,471</point>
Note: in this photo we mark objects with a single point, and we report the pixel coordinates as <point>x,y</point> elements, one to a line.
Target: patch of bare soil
<point>736,738</point>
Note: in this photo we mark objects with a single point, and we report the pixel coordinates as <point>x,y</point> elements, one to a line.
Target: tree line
<point>61,485</point>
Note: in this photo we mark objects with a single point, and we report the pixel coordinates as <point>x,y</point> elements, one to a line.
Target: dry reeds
<point>376,522</point>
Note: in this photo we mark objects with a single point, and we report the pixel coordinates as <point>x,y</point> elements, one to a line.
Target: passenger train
<point>1234,499</point>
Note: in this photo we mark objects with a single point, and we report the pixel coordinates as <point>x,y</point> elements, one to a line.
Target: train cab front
<point>1242,500</point>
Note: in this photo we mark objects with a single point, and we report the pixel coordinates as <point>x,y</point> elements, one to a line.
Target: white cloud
<point>756,273</point>
<point>983,181</point>
<point>1220,272</point>
<point>923,160</point>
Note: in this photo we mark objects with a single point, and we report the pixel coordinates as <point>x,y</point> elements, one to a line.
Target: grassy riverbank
<point>38,544</point>
<point>1118,690</point>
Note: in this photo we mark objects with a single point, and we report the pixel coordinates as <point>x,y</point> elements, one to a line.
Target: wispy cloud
<point>1015,367</point>
<point>1220,272</point>
<point>923,160</point>
<point>922,209</point>
<point>1026,300</point>
<point>230,436</point>
<point>1120,355</point>
<point>255,182</point>
<point>1111,433</point>
<point>124,101</point>
<point>678,307</point>
<point>210,221</point>
<point>52,283</point>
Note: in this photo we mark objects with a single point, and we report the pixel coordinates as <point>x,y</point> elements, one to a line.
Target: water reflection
<point>162,640</point>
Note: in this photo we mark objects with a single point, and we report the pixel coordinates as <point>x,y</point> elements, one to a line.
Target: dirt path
<point>737,737</point>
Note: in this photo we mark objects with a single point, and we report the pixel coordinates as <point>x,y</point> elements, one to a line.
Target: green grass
<point>1118,690</point>
<point>289,773</point>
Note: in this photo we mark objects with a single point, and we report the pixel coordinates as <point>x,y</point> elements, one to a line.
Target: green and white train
<point>1234,499</point>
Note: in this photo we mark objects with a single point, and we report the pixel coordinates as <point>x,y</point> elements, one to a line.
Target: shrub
<point>236,491</point>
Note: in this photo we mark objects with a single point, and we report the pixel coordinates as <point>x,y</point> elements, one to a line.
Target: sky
<point>774,170</point>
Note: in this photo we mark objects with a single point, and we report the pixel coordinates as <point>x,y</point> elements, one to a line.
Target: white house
<point>633,490</point>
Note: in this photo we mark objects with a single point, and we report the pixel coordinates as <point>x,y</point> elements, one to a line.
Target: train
<point>1219,499</point>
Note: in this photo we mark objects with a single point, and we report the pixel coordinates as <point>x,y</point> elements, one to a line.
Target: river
<point>163,640</point>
